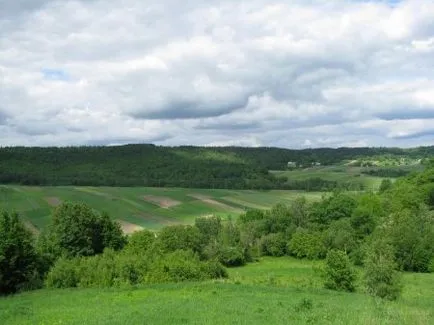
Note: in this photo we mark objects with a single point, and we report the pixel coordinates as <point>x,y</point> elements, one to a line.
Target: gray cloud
<point>299,74</point>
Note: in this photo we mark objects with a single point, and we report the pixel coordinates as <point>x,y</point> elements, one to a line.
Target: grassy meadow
<point>137,207</point>
<point>271,291</point>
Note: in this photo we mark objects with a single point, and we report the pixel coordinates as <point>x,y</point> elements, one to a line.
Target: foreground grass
<point>248,297</point>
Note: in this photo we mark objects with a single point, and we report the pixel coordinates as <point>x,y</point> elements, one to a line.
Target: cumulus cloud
<point>292,74</point>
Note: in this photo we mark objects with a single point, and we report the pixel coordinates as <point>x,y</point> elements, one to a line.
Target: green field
<point>272,291</point>
<point>341,174</point>
<point>145,207</point>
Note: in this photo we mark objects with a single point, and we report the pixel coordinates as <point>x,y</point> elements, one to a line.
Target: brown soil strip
<point>161,201</point>
<point>129,228</point>
<point>208,200</point>
<point>53,201</point>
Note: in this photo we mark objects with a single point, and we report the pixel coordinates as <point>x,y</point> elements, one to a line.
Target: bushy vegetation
<point>18,258</point>
<point>339,273</point>
<point>385,233</point>
<point>382,278</point>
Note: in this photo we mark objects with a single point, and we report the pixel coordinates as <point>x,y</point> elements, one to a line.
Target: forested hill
<point>185,166</point>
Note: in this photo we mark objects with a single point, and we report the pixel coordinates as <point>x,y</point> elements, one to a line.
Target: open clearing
<point>273,291</point>
<point>145,207</point>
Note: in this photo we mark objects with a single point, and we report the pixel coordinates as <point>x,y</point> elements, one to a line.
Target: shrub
<point>340,235</point>
<point>179,237</point>
<point>307,244</point>
<point>114,269</point>
<point>273,245</point>
<point>141,241</point>
<point>64,273</point>
<point>412,236</point>
<point>231,256</point>
<point>381,277</point>
<point>18,259</point>
<point>339,274</point>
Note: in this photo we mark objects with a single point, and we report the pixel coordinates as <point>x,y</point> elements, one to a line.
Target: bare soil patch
<point>161,201</point>
<point>210,201</point>
<point>53,201</point>
<point>128,227</point>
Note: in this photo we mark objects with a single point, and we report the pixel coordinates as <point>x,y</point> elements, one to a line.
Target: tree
<point>78,230</point>
<point>179,237</point>
<point>339,274</point>
<point>18,259</point>
<point>381,277</point>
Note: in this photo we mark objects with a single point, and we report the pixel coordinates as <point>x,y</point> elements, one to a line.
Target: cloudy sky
<point>300,73</point>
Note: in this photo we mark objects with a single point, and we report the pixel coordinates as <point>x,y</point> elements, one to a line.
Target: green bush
<point>64,273</point>
<point>381,276</point>
<point>273,245</point>
<point>18,258</point>
<point>231,256</point>
<point>115,269</point>
<point>340,235</point>
<point>78,230</point>
<point>179,237</point>
<point>141,241</point>
<point>307,244</point>
<point>339,273</point>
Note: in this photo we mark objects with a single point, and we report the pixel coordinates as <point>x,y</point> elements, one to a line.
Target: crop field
<point>272,291</point>
<point>136,207</point>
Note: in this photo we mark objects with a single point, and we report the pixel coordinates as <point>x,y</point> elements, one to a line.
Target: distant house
<point>291,164</point>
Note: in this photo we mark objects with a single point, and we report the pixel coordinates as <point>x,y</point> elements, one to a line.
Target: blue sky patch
<point>55,74</point>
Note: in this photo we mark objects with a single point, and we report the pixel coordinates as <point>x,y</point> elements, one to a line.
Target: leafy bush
<point>273,245</point>
<point>381,277</point>
<point>114,269</point>
<point>64,273</point>
<point>179,237</point>
<point>340,235</point>
<point>77,230</point>
<point>339,274</point>
<point>18,259</point>
<point>231,256</point>
<point>307,244</point>
<point>412,236</point>
<point>141,241</point>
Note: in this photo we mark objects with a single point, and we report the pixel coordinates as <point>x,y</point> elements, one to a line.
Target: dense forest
<point>185,166</point>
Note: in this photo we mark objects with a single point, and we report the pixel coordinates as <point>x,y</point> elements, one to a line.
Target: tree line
<point>186,166</point>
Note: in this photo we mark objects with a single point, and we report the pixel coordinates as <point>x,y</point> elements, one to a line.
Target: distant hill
<point>184,166</point>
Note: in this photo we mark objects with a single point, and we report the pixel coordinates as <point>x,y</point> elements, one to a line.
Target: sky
<point>292,74</point>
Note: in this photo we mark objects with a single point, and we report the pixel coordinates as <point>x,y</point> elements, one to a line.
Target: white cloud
<point>294,74</point>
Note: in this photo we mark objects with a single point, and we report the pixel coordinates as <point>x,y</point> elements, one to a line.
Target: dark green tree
<point>78,230</point>
<point>18,259</point>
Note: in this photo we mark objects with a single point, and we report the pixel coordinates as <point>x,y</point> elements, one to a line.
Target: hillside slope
<point>156,166</point>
